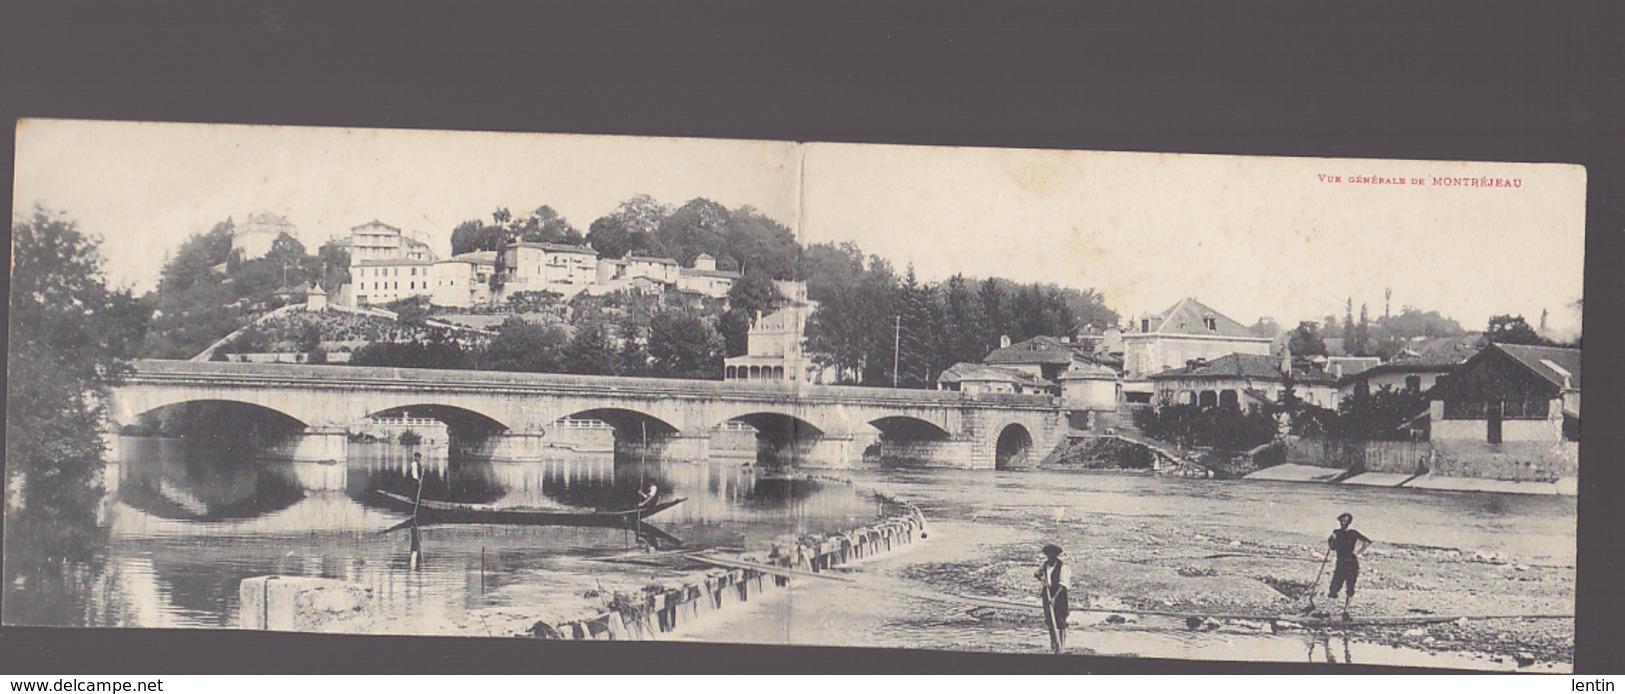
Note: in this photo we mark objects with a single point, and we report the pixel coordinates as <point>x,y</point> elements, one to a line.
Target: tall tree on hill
<point>475,235</point>
<point>828,268</point>
<point>545,225</point>
<point>197,254</point>
<point>69,336</point>
<point>757,243</point>
<point>334,257</point>
<point>630,229</point>
<point>699,226</point>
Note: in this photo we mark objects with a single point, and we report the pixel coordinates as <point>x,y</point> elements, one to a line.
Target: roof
<point>694,272</point>
<point>970,371</point>
<point>376,223</point>
<point>1187,318</point>
<point>1257,367</point>
<point>1550,363</point>
<point>1443,351</point>
<point>481,257</point>
<point>269,218</point>
<point>1042,349</point>
<point>650,259</point>
<point>1405,365</point>
<point>391,261</point>
<point>554,247</point>
<point>1083,370</point>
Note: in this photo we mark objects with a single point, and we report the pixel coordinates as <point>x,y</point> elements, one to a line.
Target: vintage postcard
<point>585,387</point>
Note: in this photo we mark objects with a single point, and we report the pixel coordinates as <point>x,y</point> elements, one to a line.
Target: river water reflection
<point>189,522</point>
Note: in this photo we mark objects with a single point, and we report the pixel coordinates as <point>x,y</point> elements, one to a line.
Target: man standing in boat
<point>1348,543</point>
<point>1055,578</point>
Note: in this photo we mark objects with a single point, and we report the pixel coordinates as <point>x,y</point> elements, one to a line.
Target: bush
<point>409,437</point>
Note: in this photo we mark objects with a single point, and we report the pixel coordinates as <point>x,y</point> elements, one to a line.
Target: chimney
<point>1004,341</point>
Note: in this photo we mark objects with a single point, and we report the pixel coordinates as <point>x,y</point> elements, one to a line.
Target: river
<point>188,522</point>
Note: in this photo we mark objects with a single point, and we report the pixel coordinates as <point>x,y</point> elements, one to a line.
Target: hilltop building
<point>463,280</point>
<point>530,266</point>
<point>1185,332</point>
<point>705,278</point>
<point>376,240</point>
<point>253,237</point>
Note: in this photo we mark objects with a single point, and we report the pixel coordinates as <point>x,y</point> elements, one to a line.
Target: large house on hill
<point>1185,332</point>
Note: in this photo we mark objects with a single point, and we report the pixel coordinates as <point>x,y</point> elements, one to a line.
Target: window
<point>1211,323</point>
<point>1145,325</point>
<point>1413,383</point>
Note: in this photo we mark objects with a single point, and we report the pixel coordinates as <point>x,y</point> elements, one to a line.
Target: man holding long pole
<point>1056,578</point>
<point>1348,543</point>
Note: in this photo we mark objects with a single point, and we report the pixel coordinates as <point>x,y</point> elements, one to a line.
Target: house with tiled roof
<point>1415,368</point>
<point>1187,331</point>
<point>1509,412</point>
<point>977,379</point>
<point>1242,380</point>
<point>1044,356</point>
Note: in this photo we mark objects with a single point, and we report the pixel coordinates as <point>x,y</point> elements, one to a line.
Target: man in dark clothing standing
<point>1056,579</point>
<point>1348,543</point>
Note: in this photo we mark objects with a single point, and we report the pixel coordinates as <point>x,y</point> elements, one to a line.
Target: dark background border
<point>1489,81</point>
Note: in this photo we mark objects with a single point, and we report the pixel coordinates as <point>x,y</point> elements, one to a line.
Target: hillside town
<point>1459,411</point>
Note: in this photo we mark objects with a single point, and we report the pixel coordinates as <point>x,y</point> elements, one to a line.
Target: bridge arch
<point>455,417</point>
<point>629,424</point>
<point>128,413</point>
<point>902,428</point>
<point>1013,447</point>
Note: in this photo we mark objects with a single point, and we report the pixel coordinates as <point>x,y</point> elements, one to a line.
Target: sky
<point>1249,236</point>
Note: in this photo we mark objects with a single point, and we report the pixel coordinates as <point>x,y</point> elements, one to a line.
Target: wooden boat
<point>431,512</point>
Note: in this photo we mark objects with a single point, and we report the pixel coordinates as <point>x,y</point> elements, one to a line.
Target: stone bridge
<point>674,419</point>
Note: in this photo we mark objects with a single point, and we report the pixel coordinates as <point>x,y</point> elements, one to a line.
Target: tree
<point>753,294</point>
<point>1350,333</point>
<point>629,229</point>
<point>1306,341</point>
<point>521,345</point>
<point>334,257</point>
<point>684,346</point>
<point>592,351</point>
<point>699,226</point>
<point>475,235</point>
<point>195,258</point>
<point>1511,329</point>
<point>1362,345</point>
<point>918,339</point>
<point>69,337</point>
<point>828,268</point>
<point>753,242</point>
<point>545,225</point>
<point>965,323</point>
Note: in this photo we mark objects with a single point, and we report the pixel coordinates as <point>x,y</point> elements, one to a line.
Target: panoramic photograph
<point>571,387</point>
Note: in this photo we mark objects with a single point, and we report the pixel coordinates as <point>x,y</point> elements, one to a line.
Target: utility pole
<point>896,350</point>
